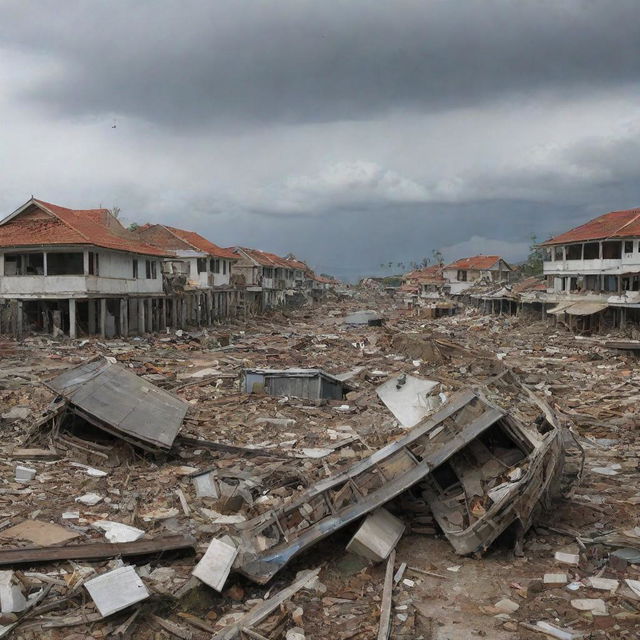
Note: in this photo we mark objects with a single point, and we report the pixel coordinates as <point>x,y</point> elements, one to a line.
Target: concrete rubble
<point>321,473</point>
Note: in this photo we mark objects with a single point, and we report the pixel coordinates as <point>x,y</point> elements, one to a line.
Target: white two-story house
<point>204,263</point>
<point>65,270</point>
<point>601,256</point>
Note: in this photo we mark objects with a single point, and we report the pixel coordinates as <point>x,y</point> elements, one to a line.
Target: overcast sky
<point>349,132</point>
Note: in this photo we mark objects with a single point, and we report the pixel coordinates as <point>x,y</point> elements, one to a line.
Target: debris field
<point>350,470</point>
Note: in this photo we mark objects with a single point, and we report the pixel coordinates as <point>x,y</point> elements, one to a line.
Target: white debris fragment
<point>24,474</point>
<point>95,473</point>
<point>604,584</point>
<point>118,532</point>
<point>90,499</point>
<point>595,605</point>
<point>567,558</point>
<point>12,599</point>
<point>215,565</point>
<point>116,590</point>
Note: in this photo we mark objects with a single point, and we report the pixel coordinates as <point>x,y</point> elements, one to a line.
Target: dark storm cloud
<point>188,63</point>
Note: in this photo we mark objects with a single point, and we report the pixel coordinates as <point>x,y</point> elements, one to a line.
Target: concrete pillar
<point>72,318</point>
<point>103,317</point>
<point>197,300</point>
<point>124,318</point>
<point>91,304</point>
<point>19,320</point>
<point>183,312</point>
<point>141,326</point>
<point>164,314</point>
<point>174,312</point>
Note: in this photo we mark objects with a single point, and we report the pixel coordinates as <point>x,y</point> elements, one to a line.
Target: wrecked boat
<point>482,467</point>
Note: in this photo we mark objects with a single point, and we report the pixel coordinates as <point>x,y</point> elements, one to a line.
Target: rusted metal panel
<point>113,398</point>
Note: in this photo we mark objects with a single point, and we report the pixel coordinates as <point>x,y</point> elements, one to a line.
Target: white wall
<point>115,276</point>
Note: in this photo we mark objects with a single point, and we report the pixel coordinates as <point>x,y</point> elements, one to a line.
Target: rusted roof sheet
<point>113,398</point>
<point>615,224</point>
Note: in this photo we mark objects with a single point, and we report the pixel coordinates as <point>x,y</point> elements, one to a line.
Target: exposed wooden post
<point>164,314</point>
<point>72,318</point>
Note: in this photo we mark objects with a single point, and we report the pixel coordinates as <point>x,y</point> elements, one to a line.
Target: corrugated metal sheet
<point>115,399</point>
<point>312,384</point>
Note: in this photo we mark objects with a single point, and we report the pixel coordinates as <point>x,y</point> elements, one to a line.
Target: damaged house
<point>593,271</point>
<point>200,268</point>
<point>70,271</point>
<point>463,273</point>
<point>272,281</point>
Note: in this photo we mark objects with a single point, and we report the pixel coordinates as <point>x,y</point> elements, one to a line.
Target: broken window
<point>212,264</point>
<point>65,264</point>
<point>462,276</point>
<point>573,284</point>
<point>216,266</point>
<point>24,264</point>
<point>546,254</point>
<point>224,267</point>
<point>151,269</point>
<point>591,251</point>
<point>202,265</point>
<point>558,253</point>
<point>574,252</point>
<point>268,272</point>
<point>135,269</point>
<point>612,250</point>
<point>628,246</point>
<point>93,263</point>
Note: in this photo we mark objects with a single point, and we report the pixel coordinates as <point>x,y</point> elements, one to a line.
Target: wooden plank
<point>385,605</point>
<point>94,551</point>
<point>263,609</point>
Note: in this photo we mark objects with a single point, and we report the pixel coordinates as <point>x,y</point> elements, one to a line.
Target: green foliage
<point>533,265</point>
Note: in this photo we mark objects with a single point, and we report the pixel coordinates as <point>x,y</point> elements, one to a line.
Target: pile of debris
<point>150,478</point>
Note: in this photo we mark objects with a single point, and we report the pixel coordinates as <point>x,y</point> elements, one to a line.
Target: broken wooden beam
<point>264,609</point>
<point>94,551</point>
<point>385,605</point>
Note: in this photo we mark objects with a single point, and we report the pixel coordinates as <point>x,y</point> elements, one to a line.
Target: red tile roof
<point>533,283</point>
<point>615,224</point>
<point>481,263</point>
<point>432,274</point>
<point>266,259</point>
<point>71,226</point>
<point>191,238</point>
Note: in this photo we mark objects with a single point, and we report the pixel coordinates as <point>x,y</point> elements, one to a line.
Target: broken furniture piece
<point>312,384</point>
<point>377,536</point>
<point>506,467</point>
<point>112,398</point>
